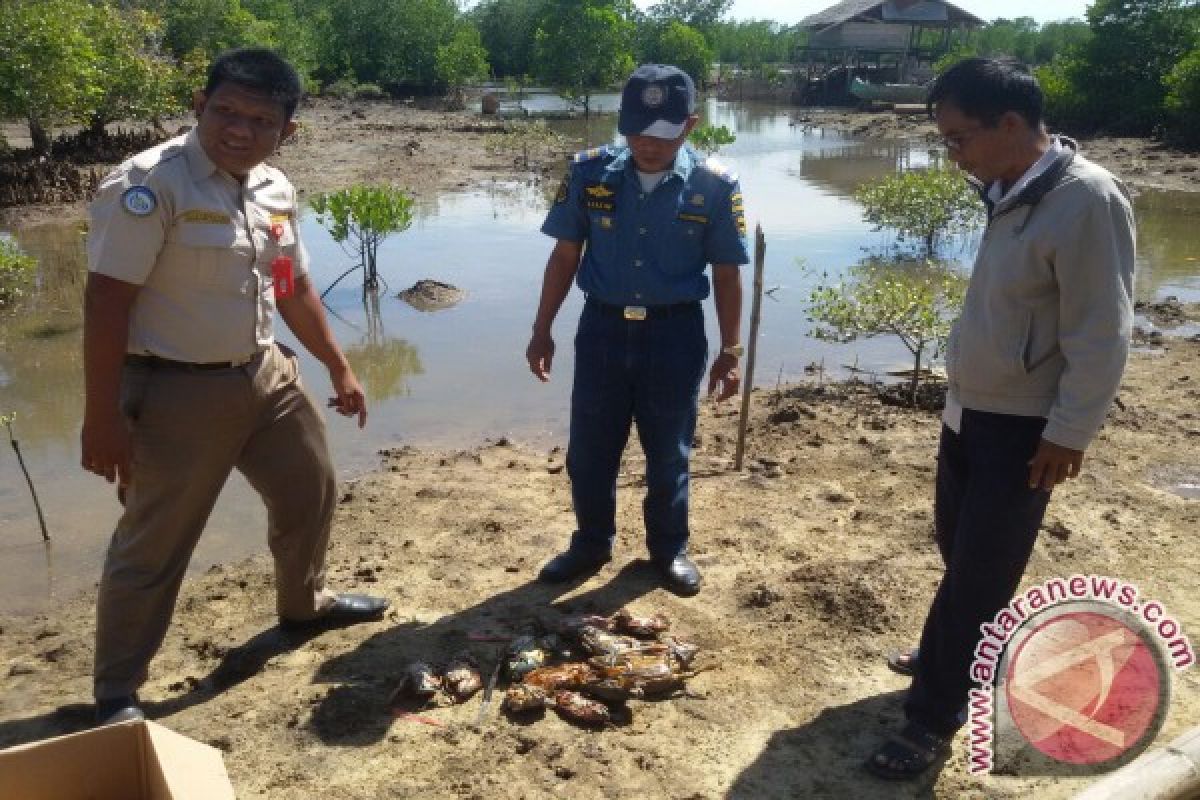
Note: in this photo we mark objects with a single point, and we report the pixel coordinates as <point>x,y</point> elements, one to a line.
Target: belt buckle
<point>635,313</point>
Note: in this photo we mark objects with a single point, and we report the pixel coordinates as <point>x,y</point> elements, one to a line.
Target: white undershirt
<point>650,180</point>
<point>952,413</point>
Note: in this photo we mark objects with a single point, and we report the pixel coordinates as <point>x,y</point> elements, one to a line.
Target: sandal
<point>903,662</point>
<point>909,753</point>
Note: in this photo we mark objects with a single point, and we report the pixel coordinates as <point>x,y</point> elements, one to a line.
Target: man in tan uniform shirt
<point>185,381</point>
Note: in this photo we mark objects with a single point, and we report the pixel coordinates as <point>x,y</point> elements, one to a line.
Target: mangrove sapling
<point>8,419</point>
<point>916,303</point>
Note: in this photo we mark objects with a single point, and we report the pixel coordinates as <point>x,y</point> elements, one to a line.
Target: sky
<point>792,11</point>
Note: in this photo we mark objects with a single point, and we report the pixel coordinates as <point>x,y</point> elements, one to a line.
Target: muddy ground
<point>817,559</point>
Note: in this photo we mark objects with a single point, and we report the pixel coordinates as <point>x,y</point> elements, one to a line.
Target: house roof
<point>873,9</point>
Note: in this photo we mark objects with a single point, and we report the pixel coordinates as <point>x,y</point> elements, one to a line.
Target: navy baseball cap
<point>656,101</point>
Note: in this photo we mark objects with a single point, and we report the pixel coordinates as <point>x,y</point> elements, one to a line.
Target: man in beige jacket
<point>1033,365</point>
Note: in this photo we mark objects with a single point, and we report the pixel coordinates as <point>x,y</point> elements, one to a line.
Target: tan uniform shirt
<point>200,244</point>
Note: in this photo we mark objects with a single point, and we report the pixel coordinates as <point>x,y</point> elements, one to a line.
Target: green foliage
<point>16,272</point>
<point>752,43</point>
<point>463,59</point>
<point>691,13</point>
<point>48,64</point>
<point>710,138</point>
<point>505,27</point>
<point>1183,100</point>
<point>683,46</point>
<point>1021,39</point>
<point>1121,70</point>
<point>342,88</point>
<point>368,91</point>
<point>523,139</point>
<point>388,42</point>
<point>1065,106</point>
<point>915,303</point>
<point>582,45</point>
<point>361,218</point>
<point>211,26</point>
<point>132,81</point>
<point>925,204</point>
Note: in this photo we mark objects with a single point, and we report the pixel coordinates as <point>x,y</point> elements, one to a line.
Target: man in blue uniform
<point>635,228</point>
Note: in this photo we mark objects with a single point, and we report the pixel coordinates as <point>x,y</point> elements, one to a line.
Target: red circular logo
<point>1084,687</point>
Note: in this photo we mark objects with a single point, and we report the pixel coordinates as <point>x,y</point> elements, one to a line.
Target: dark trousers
<point>986,519</point>
<point>646,372</point>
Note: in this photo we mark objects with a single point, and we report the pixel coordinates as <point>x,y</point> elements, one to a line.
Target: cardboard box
<point>131,761</point>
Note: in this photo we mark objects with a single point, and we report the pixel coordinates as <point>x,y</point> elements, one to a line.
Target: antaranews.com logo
<point>1074,677</point>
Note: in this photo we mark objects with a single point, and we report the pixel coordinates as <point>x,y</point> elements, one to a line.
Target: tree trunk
<point>916,377</point>
<point>39,137</point>
<point>95,129</point>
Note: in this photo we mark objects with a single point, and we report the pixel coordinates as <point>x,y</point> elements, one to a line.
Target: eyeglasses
<point>956,141</point>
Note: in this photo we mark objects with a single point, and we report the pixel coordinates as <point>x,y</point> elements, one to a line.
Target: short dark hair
<point>259,69</point>
<point>986,89</point>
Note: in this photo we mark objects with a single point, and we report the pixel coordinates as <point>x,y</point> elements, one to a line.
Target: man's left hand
<point>723,378</point>
<point>1052,464</point>
<point>349,399</point>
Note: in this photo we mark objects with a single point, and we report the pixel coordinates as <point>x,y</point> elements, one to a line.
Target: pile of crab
<point>594,664</point>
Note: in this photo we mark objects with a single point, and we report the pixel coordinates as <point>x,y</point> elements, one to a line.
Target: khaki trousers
<point>190,429</point>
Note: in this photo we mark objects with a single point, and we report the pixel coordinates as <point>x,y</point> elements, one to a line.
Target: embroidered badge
<point>599,197</point>
<point>653,95</point>
<point>139,201</point>
<point>739,212</point>
<point>703,220</point>
<point>606,223</point>
<point>697,199</point>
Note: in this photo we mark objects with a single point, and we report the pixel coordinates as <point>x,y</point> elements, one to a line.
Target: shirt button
<point>637,295</point>
<point>637,262</point>
<point>642,231</point>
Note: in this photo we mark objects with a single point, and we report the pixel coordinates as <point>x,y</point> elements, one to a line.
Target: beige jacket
<point>1047,319</point>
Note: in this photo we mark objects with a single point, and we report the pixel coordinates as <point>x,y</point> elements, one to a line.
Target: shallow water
<point>454,377</point>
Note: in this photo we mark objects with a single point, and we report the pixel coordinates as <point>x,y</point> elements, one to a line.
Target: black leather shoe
<point>570,565</point>
<point>680,575</point>
<point>347,609</point>
<point>118,709</point>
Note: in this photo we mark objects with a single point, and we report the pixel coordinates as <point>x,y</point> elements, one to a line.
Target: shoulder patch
<point>590,155</point>
<point>721,170</point>
<point>140,201</point>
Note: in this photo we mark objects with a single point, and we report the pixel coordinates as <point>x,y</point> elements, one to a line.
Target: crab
<point>563,676</point>
<point>577,708</point>
<point>524,656</point>
<point>419,682</point>
<point>624,621</point>
<point>461,678</point>
<point>601,643</point>
<point>637,675</point>
<point>523,697</point>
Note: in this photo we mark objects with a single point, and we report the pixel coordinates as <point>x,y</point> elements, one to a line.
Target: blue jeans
<point>647,372</point>
<point>986,520</point>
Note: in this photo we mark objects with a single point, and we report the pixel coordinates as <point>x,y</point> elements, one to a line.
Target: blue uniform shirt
<point>648,248</point>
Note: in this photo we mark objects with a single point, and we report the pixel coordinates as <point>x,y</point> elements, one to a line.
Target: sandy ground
<point>817,558</point>
<point>1141,163</point>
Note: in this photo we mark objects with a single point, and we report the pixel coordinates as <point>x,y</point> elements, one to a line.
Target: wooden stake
<point>28,479</point>
<point>760,248</point>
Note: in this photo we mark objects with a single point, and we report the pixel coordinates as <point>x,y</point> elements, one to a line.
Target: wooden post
<point>760,248</point>
<point>1171,773</point>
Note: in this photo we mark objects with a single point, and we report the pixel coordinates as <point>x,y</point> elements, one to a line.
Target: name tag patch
<point>203,216</point>
<point>703,220</point>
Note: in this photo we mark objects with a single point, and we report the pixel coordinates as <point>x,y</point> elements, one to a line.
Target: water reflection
<point>382,363</point>
<point>458,375</point>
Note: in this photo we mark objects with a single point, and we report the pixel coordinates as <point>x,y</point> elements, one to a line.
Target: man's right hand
<point>107,449</point>
<point>540,354</point>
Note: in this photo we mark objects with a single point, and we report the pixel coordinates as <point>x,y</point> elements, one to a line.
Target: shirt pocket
<point>214,257</point>
<point>683,246</point>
